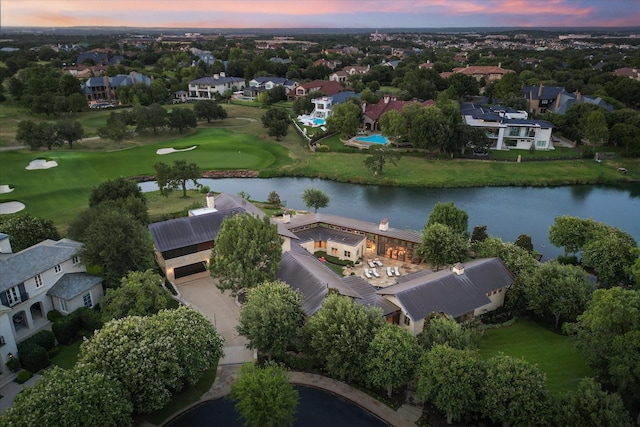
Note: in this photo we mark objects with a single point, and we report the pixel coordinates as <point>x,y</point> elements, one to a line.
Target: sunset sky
<point>320,14</point>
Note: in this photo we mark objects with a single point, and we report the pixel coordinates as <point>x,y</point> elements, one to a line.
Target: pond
<point>316,408</point>
<point>507,211</point>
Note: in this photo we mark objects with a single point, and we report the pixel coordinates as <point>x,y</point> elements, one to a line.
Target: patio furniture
<point>366,273</point>
<point>371,264</point>
<point>389,272</point>
<point>375,272</point>
<point>377,261</point>
<point>397,270</point>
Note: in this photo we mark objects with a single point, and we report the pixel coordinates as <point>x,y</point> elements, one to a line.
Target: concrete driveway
<point>199,291</point>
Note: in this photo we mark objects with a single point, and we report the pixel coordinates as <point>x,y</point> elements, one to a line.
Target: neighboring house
<point>344,74</point>
<point>428,65</point>
<point>104,89</point>
<point>632,73</point>
<point>331,64</point>
<point>183,247</point>
<point>86,71</point>
<point>472,289</point>
<point>180,96</point>
<point>554,99</point>
<point>393,64</point>
<point>262,84</point>
<point>373,112</point>
<point>329,88</point>
<point>208,87</point>
<point>280,60</point>
<point>324,105</point>
<point>36,280</point>
<point>489,72</point>
<point>508,128</point>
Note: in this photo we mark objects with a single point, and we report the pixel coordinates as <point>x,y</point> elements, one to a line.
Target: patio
<point>384,280</point>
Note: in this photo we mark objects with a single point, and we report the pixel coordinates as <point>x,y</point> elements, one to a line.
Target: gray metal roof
<point>368,295</point>
<point>18,267</point>
<point>214,82</point>
<point>72,285</point>
<point>183,232</point>
<point>325,234</point>
<point>445,291</point>
<point>303,271</point>
<point>355,224</point>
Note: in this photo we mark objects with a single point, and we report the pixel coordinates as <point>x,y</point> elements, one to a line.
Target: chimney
<point>384,224</point>
<point>578,96</point>
<point>211,204</point>
<point>5,244</point>
<point>540,90</point>
<point>458,269</point>
<point>216,76</point>
<point>286,217</point>
<point>222,74</point>
<point>499,64</point>
<point>386,99</point>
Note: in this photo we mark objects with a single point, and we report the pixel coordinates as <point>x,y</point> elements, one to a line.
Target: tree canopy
<point>26,230</point>
<point>315,198</point>
<point>182,118</point>
<point>153,357</point>
<point>443,329</point>
<point>209,109</point>
<point>183,172</point>
<point>344,119</point>
<point>442,246</point>
<point>450,215</point>
<point>271,317</point>
<point>247,253</point>
<point>264,396</point>
<point>115,189</point>
<point>379,157</point>
<point>276,121</point>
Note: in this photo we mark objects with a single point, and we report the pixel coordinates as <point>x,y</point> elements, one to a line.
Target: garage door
<point>190,269</point>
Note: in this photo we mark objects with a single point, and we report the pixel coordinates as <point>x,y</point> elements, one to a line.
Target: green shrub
<point>568,260</point>
<point>299,362</point>
<point>23,377</point>
<point>53,316</point>
<point>13,364</point>
<point>334,260</point>
<point>53,352</point>
<point>65,329</point>
<point>89,319</point>
<point>322,148</point>
<point>205,189</point>
<point>45,339</point>
<point>33,357</point>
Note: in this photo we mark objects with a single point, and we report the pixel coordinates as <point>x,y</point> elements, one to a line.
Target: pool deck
<point>363,145</point>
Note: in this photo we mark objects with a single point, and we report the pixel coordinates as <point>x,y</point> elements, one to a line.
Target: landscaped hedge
<point>82,322</point>
<point>32,356</point>
<point>45,339</point>
<point>23,376</point>
<point>334,260</point>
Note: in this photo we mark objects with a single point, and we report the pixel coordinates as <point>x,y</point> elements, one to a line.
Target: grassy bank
<point>554,354</point>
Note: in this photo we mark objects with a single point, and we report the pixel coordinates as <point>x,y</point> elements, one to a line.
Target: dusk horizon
<point>288,14</point>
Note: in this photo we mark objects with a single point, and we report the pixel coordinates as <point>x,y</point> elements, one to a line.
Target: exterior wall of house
<point>96,294</point>
<point>9,346</point>
<point>497,300</point>
<point>345,252</point>
<point>521,138</point>
<point>405,322</point>
<point>171,264</point>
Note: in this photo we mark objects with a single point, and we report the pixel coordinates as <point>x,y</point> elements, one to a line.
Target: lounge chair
<point>375,272</point>
<point>371,264</point>
<point>366,273</point>
<point>389,272</point>
<point>397,270</point>
<point>377,261</point>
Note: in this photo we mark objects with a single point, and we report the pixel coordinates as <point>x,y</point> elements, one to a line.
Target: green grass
<point>538,154</point>
<point>188,396</point>
<point>554,354</point>
<point>68,355</point>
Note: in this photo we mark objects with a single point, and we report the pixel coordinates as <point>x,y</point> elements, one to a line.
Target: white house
<point>36,280</point>
<point>208,87</point>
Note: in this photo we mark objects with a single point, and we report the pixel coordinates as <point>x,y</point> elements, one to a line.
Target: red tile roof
<point>375,111</point>
<point>326,86</point>
<point>482,69</point>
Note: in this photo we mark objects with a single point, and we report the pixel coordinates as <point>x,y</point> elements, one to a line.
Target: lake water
<point>507,211</point>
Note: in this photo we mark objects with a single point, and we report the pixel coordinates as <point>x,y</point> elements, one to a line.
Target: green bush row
<point>81,322</point>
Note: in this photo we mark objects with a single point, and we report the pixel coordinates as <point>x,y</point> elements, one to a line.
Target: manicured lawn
<point>68,355</point>
<point>553,353</point>
<point>538,154</point>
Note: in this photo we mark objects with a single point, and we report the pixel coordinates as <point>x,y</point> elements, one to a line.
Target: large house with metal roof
<point>218,84</point>
<point>183,247</point>
<point>36,280</point>
<point>555,99</point>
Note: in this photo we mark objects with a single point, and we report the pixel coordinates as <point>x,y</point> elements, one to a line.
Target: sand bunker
<point>5,189</point>
<point>173,150</point>
<point>10,207</point>
<point>41,164</point>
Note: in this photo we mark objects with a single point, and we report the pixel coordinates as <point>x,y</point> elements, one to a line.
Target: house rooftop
<point>72,285</point>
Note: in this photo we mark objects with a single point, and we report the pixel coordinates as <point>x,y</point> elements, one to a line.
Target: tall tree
<point>441,245</point>
<point>247,253</point>
<point>560,290</point>
<point>115,130</point>
<point>27,134</point>
<point>139,294</point>
<point>315,198</point>
<point>115,189</point>
<point>153,357</point>
<point>448,214</point>
<point>25,230</point>
<point>210,110</point>
<point>69,131</point>
<point>611,255</point>
<point>379,157</point>
<point>608,336</point>
<point>276,121</point>
<point>182,118</point>
<point>341,332</point>
<point>589,405</point>
<point>514,392</point>
<point>344,119</point>
<point>451,379</point>
<point>444,330</point>
<point>594,127</point>
<point>393,356</point>
<point>271,317</point>
<point>163,177</point>
<point>517,260</point>
<point>49,401</point>
<point>264,396</point>
<point>183,172</point>
<point>569,231</point>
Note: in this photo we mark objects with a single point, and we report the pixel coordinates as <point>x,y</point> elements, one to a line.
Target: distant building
<point>208,87</point>
<point>489,72</point>
<point>103,90</point>
<point>554,99</point>
<point>632,73</point>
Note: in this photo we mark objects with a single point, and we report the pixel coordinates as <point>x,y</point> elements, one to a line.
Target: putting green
<point>58,193</point>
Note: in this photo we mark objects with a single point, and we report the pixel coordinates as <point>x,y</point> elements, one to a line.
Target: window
<point>347,254</point>
<point>63,305</point>
<point>541,143</point>
<point>38,280</point>
<point>86,300</point>
<point>334,251</point>
<point>13,296</point>
<point>57,268</point>
<point>75,260</point>
<point>407,321</point>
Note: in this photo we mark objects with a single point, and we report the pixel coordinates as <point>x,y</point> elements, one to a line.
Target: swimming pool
<point>373,139</point>
<point>318,122</point>
<point>317,408</point>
